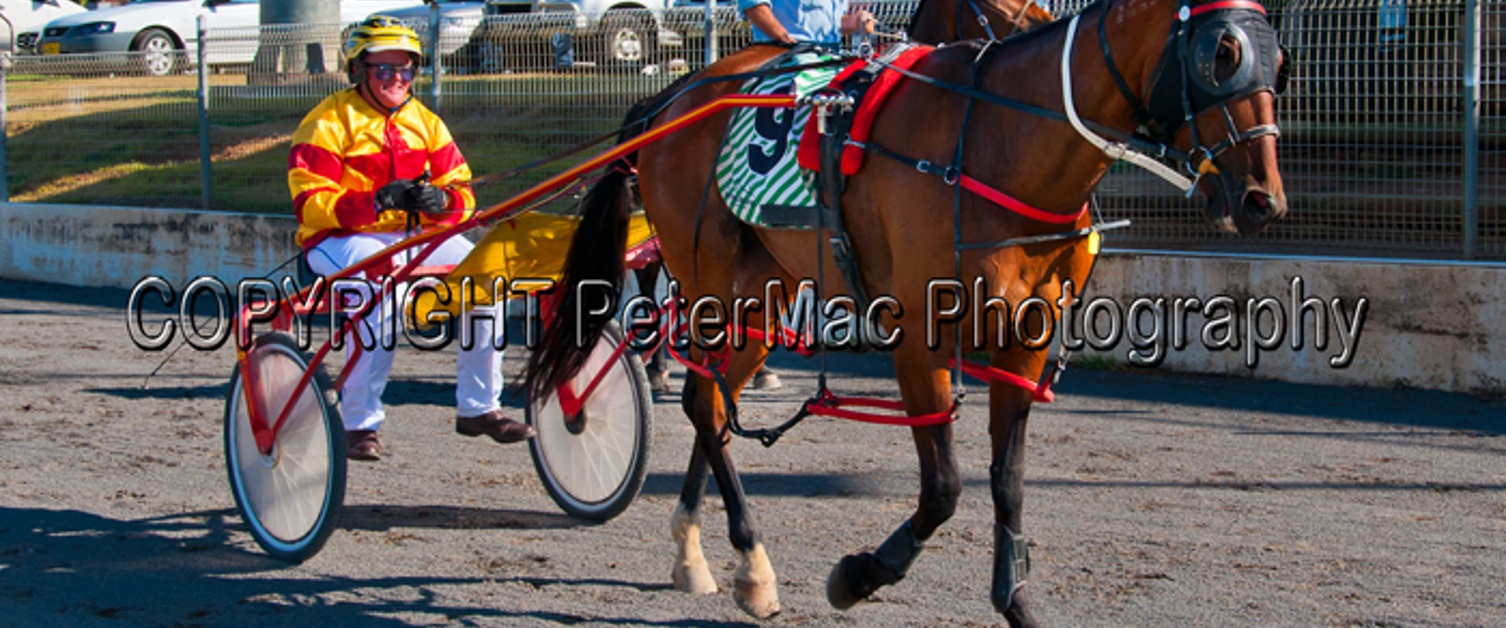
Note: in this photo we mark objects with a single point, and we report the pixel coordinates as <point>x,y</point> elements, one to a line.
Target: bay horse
<point>1025,119</point>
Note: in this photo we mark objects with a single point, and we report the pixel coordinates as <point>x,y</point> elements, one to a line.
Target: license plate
<point>52,48</point>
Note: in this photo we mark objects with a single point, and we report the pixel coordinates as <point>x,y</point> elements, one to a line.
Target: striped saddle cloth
<point>757,166</point>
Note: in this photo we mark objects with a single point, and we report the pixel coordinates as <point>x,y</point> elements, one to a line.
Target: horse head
<point>1223,67</point>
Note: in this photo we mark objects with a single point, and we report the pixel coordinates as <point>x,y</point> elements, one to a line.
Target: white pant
<point>478,373</point>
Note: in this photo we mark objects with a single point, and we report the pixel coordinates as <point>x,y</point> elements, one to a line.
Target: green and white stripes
<point>757,166</point>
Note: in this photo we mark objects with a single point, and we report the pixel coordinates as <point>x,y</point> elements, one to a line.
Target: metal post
<point>435,67</point>
<point>711,52</point>
<point>1471,128</point>
<point>5,63</point>
<point>204,170</point>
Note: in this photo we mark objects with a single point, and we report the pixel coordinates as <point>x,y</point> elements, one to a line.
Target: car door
<point>230,23</point>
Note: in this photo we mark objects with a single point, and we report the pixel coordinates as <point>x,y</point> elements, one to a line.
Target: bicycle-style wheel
<point>593,464</point>
<point>287,497</point>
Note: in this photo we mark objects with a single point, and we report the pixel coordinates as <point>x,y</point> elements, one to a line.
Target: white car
<point>166,31</point>
<point>26,17</point>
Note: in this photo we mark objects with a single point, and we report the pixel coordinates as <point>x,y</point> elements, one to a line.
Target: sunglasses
<point>385,71</point>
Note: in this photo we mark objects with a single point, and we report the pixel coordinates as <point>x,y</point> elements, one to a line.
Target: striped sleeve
<point>450,171</point>
<point>315,166</point>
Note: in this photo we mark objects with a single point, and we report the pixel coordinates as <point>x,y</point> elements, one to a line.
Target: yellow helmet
<point>378,33</point>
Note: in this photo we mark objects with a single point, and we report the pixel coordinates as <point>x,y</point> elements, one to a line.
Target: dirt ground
<point>1153,499</point>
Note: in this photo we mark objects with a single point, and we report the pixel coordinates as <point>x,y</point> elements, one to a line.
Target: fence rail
<point>1380,153</point>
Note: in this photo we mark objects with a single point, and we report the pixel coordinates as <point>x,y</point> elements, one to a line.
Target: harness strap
<point>1115,150</point>
<point>824,403</point>
<point>1041,392</point>
<point>1129,142</point>
<point>1142,115</point>
<point>982,19</point>
<point>950,175</point>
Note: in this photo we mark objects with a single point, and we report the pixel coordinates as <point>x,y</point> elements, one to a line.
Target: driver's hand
<point>394,195</point>
<point>430,200</point>
<point>858,21</point>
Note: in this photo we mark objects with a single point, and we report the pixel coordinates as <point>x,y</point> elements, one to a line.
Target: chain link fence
<point>1373,151</point>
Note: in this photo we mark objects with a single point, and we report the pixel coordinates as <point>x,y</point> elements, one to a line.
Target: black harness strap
<point>1141,115</point>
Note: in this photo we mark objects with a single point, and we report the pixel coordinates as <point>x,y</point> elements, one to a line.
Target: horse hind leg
<point>754,583</point>
<point>690,573</point>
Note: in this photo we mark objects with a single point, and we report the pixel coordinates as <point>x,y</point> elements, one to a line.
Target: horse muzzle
<point>1244,209</point>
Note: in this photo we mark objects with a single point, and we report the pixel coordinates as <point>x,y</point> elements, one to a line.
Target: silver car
<point>621,33</point>
<point>164,33</point>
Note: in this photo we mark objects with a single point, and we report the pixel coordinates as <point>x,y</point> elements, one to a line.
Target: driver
<point>367,164</point>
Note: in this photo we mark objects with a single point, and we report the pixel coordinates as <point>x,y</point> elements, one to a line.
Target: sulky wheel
<point>287,496</point>
<point>593,464</point>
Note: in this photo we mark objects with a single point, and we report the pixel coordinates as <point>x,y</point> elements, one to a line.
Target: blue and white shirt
<point>808,21</point>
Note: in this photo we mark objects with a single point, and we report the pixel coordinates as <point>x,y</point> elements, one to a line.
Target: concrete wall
<point>1436,326</point>
<point>97,246</point>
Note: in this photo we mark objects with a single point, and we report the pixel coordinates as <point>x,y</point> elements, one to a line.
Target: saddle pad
<point>862,119</point>
<point>757,165</point>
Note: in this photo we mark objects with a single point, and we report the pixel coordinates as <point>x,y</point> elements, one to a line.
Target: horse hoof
<point>837,594</point>
<point>693,578</point>
<point>758,599</point>
<point>754,586</point>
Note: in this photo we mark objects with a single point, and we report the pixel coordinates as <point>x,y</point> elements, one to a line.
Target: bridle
<point>1186,81</point>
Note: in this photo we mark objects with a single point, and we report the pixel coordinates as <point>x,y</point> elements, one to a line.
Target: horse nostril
<point>1257,203</point>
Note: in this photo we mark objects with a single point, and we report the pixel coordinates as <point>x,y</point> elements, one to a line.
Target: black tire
<point>593,468</point>
<point>288,498</point>
<point>626,39</point>
<point>160,54</point>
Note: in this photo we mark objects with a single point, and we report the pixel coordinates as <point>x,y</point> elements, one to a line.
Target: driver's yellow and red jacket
<point>345,150</point>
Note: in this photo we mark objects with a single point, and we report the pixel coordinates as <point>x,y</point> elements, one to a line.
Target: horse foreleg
<point>857,576</point>
<point>690,573</point>
<point>1009,410</point>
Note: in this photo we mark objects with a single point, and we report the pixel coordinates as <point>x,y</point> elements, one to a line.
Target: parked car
<point>26,18</point>
<point>166,31</point>
<point>459,25</point>
<point>623,33</point>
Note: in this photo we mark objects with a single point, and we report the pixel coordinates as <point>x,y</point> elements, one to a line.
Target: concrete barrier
<point>1410,323</point>
<point>100,246</point>
<point>1426,325</point>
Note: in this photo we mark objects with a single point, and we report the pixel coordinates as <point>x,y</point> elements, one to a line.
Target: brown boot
<point>362,445</point>
<point>493,424</point>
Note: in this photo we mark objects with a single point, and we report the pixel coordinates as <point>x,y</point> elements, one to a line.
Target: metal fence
<point>1379,152</point>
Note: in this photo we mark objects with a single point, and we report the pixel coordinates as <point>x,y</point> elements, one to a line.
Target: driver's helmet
<point>378,33</point>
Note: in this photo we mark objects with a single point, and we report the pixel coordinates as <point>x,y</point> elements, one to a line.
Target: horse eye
<point>1228,56</point>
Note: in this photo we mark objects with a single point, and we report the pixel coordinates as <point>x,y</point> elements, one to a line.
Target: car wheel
<point>159,53</point>
<point>627,38</point>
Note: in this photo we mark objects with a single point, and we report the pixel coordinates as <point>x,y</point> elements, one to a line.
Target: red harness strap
<point>809,149</point>
<point>1249,5</point>
<point>827,404</point>
<point>1040,392</point>
<point>1016,205</point>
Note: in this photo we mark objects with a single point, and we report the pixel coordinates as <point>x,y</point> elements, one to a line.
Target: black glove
<point>428,199</point>
<point>394,195</point>
<point>412,196</point>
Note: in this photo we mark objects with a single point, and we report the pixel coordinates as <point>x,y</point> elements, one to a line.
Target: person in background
<point>369,165</point>
<point>820,22</point>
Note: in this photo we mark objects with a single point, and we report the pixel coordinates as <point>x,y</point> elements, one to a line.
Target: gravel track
<point>1152,499</point>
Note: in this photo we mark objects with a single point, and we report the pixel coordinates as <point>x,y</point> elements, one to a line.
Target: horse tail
<point>597,253</point>
<point>595,259</point>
